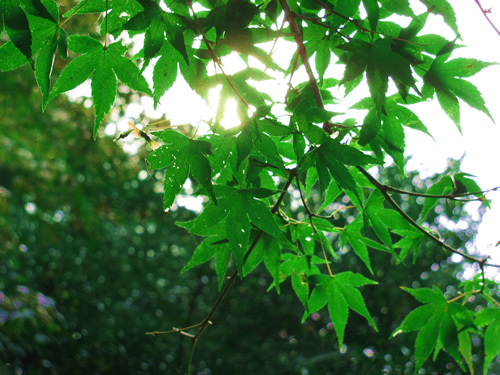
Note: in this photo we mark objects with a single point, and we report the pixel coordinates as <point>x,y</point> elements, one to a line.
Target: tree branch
<point>215,59</point>
<point>301,50</point>
<point>383,189</point>
<point>450,196</point>
<point>206,321</point>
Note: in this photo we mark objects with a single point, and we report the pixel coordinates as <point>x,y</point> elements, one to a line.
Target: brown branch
<point>290,17</point>
<point>328,9</point>
<point>232,279</point>
<point>301,50</point>
<point>206,321</point>
<point>450,196</point>
<point>215,59</point>
<point>383,189</point>
<point>485,13</point>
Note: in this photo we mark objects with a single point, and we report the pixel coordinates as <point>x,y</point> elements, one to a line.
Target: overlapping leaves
<point>445,79</point>
<point>380,62</point>
<point>440,325</point>
<point>243,170</point>
<point>235,220</point>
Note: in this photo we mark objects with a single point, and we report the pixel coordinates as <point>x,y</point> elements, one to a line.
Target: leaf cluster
<point>259,178</point>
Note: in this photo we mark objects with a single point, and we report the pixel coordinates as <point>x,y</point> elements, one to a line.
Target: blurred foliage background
<point>89,263</point>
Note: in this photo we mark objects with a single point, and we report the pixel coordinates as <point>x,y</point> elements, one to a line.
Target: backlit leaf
<point>10,57</point>
<point>443,8</point>
<point>165,72</point>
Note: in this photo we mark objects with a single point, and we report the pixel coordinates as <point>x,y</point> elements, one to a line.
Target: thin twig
<point>450,196</point>
<point>310,214</point>
<point>334,213</point>
<point>467,294</point>
<point>202,326</point>
<point>361,28</point>
<point>215,59</point>
<point>174,330</point>
<point>485,13</point>
<point>383,190</point>
<point>301,50</point>
<point>106,26</point>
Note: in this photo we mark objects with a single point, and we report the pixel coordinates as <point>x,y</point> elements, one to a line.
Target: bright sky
<point>480,135</point>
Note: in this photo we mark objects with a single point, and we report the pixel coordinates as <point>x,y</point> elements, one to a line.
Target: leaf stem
<point>310,214</point>
<point>466,294</point>
<point>106,25</point>
<point>79,6</point>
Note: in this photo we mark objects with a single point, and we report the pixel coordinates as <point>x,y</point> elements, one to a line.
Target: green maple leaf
<point>445,79</point>
<point>182,156</point>
<point>401,7</point>
<point>214,246</point>
<point>341,293</point>
<point>374,208</point>
<point>10,57</point>
<point>443,8</point>
<point>352,234</point>
<point>410,241</point>
<point>405,116</point>
<point>380,63</point>
<point>442,187</point>
<point>13,19</point>
<point>243,209</point>
<point>46,37</point>
<point>333,157</point>
<point>385,63</point>
<point>103,64</point>
<point>439,325</point>
<point>164,72</point>
<point>121,12</point>
<point>490,317</point>
<point>236,211</point>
